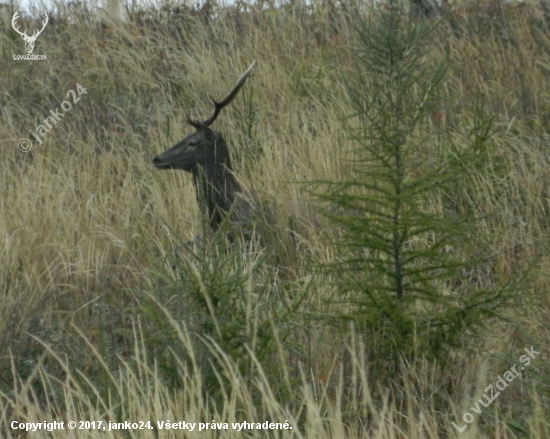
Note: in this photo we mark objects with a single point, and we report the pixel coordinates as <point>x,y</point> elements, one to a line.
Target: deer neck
<point>217,189</point>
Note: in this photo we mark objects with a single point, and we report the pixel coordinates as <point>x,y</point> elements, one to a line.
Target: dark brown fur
<point>205,154</point>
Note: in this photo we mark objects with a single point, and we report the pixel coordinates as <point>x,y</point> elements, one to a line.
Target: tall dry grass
<point>84,218</point>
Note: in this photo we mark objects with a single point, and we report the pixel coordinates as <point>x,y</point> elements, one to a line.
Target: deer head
<point>205,154</point>
<point>29,40</point>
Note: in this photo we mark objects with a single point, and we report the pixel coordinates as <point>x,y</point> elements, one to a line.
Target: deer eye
<point>192,144</point>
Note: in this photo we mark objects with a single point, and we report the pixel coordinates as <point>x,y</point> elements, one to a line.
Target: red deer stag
<point>205,154</point>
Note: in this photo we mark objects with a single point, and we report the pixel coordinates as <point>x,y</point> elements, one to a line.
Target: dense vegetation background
<point>393,136</point>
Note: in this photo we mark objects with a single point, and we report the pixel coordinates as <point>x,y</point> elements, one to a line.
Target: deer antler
<point>45,22</point>
<point>35,34</point>
<point>13,20</point>
<point>218,106</point>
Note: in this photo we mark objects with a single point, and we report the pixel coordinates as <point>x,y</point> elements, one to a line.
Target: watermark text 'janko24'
<point>490,395</point>
<point>25,145</point>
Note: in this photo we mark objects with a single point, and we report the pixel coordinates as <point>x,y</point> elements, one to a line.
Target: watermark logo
<point>25,145</point>
<point>30,40</point>
<point>490,395</point>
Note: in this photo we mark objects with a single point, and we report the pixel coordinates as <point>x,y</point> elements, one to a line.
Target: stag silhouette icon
<point>29,39</point>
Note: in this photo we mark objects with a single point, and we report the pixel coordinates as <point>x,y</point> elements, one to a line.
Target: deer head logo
<point>29,40</point>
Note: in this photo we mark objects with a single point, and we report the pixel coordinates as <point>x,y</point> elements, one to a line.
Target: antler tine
<point>218,106</point>
<point>193,123</point>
